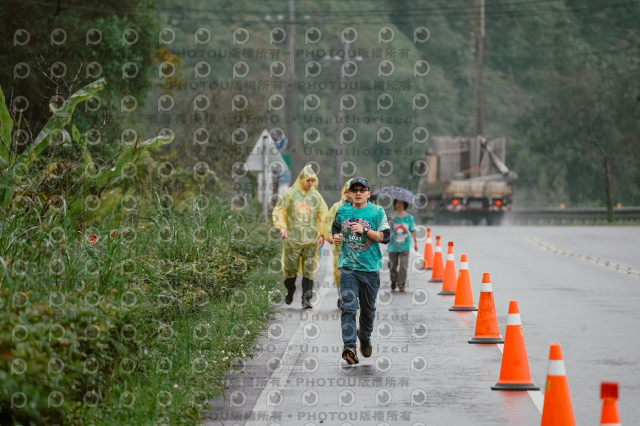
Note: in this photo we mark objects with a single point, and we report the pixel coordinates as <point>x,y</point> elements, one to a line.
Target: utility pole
<point>340,155</point>
<point>290,95</point>
<point>479,89</point>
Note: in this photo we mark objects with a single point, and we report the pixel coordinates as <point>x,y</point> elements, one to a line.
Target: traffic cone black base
<point>486,340</point>
<point>515,386</point>
<point>463,308</point>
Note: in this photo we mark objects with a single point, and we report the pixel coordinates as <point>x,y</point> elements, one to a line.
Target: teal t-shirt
<point>401,229</point>
<point>357,251</point>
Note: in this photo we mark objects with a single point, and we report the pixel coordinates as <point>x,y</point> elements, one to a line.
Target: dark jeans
<point>362,287</point>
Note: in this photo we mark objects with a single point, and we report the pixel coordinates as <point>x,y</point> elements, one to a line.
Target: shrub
<point>58,354</point>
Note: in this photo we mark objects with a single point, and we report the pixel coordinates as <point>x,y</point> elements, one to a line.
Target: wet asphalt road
<point>577,286</point>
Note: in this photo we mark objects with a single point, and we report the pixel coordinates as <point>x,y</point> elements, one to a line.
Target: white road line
<point>288,361</point>
<point>588,258</point>
<point>538,399</point>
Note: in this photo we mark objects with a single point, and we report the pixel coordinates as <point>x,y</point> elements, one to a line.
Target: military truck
<point>467,180</point>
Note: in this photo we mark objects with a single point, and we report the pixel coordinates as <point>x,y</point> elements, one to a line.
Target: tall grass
<point>118,304</point>
<point>130,320</point>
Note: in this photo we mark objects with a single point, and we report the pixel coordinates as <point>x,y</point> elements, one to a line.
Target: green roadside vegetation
<point>121,302</point>
<point>120,325</point>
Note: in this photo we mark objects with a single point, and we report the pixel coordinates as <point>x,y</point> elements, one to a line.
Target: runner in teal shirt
<point>359,252</point>
<point>359,228</point>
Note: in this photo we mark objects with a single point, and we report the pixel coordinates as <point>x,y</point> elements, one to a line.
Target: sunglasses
<point>360,190</point>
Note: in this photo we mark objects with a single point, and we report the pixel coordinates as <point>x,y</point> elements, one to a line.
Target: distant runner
<point>403,229</point>
<point>299,217</point>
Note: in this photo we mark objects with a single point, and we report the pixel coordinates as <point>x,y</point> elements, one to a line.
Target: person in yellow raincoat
<point>345,197</point>
<point>299,216</point>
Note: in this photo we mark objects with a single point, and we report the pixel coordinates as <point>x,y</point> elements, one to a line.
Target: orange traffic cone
<point>487,323</point>
<point>557,409</point>
<point>609,396</point>
<point>450,277</point>
<point>514,372</point>
<point>427,260</point>
<point>437,273</point>
<point>464,296</point>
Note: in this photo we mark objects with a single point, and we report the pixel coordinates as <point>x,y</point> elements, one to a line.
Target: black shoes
<point>307,293</point>
<point>349,355</point>
<point>290,284</point>
<point>366,350</point>
<point>288,298</point>
<point>365,346</point>
<point>399,286</point>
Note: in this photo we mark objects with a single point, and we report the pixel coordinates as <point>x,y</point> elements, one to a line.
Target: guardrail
<point>569,216</point>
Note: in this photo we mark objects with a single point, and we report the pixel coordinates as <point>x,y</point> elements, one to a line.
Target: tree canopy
<point>558,76</point>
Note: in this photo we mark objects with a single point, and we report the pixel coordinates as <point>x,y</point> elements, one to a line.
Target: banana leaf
<point>58,121</point>
<point>130,154</point>
<point>6,128</point>
<point>79,142</point>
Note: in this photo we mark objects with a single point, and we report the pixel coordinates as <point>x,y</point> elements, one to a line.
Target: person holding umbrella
<point>403,231</point>
<point>402,227</point>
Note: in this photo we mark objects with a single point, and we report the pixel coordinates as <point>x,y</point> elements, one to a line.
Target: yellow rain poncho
<point>327,232</point>
<point>301,213</point>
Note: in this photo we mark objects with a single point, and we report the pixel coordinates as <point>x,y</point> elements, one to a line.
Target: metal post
<point>265,172</point>
<point>290,101</point>
<point>340,154</point>
<point>479,45</point>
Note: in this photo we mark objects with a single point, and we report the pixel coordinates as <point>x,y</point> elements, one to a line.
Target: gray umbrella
<point>397,193</point>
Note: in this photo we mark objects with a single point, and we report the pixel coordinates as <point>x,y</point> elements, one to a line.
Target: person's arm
<point>321,218</point>
<point>279,215</point>
<point>413,233</point>
<point>336,230</point>
<point>377,236</point>
<point>336,226</point>
<point>384,228</point>
<point>328,234</point>
<point>386,236</point>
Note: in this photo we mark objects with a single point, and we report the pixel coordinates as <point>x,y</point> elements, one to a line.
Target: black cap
<point>359,180</point>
